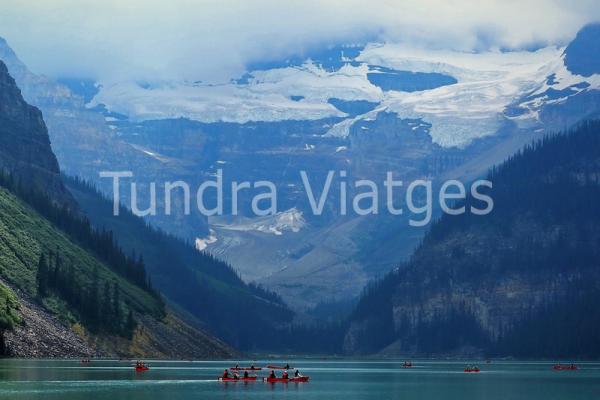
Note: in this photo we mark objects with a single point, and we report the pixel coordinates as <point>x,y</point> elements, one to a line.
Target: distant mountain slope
<point>522,281</point>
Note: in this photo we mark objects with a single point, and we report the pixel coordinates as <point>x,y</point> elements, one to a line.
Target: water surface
<point>340,379</point>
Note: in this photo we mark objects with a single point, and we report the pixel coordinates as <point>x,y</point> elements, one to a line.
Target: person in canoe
<point>252,367</point>
<point>287,366</point>
<point>236,376</point>
<point>246,376</point>
<point>285,375</point>
<point>297,374</point>
<point>225,374</point>
<point>272,375</point>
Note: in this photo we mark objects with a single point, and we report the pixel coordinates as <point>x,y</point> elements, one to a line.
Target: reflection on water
<point>343,379</point>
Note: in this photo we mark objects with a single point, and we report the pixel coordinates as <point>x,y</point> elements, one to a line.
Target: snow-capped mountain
<point>464,96</point>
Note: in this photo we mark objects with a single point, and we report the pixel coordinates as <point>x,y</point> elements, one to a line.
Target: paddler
<point>236,375</point>
<point>287,366</point>
<point>272,375</point>
<point>297,374</point>
<point>285,375</point>
<point>246,376</point>
<point>225,374</point>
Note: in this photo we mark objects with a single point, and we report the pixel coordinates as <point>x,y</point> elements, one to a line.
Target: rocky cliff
<point>24,143</point>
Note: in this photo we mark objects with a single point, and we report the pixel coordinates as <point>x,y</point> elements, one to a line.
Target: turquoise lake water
<point>343,379</point>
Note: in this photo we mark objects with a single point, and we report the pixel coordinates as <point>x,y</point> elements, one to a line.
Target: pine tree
<point>116,304</point>
<point>42,276</point>
<point>94,299</point>
<point>130,324</point>
<point>106,306</point>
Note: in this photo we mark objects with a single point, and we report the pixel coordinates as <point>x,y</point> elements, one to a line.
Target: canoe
<point>249,379</point>
<point>471,369</point>
<point>300,379</point>
<point>559,367</point>
<point>278,367</point>
<point>284,380</point>
<point>246,369</point>
<point>273,380</point>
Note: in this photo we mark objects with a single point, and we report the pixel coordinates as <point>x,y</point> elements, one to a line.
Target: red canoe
<point>571,367</point>
<point>284,380</point>
<point>249,379</point>
<point>245,369</point>
<point>141,369</point>
<point>472,369</point>
<point>300,379</point>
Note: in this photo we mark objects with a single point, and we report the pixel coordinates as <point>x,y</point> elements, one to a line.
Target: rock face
<point>582,56</point>
<point>24,143</point>
<point>41,335</point>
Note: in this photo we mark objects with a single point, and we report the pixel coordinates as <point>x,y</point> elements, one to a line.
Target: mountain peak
<point>582,55</point>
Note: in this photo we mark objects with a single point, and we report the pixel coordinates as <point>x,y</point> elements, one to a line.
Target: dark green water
<point>345,380</point>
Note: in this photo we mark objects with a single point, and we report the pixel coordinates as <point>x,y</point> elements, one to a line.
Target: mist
<point>214,40</point>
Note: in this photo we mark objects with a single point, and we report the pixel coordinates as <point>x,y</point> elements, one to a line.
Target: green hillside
<point>25,236</point>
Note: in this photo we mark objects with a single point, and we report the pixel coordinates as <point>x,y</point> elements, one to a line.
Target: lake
<point>330,379</point>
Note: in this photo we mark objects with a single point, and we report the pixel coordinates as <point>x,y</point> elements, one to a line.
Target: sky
<point>213,40</point>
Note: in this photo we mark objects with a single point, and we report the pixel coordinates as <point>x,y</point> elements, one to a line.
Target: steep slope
<point>521,281</point>
<point>24,143</point>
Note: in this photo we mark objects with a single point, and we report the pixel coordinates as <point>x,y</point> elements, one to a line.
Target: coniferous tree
<point>106,306</point>
<point>42,276</point>
<point>116,302</point>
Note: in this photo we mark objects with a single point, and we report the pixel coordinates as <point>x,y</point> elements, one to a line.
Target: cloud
<point>214,40</point>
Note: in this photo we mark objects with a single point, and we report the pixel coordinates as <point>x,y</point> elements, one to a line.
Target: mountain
<point>364,109</point>
<point>521,281</point>
<point>68,289</point>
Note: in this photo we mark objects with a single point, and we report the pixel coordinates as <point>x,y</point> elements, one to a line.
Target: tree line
<point>97,302</point>
<point>100,242</point>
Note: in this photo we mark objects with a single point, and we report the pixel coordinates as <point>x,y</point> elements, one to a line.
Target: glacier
<point>487,84</point>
